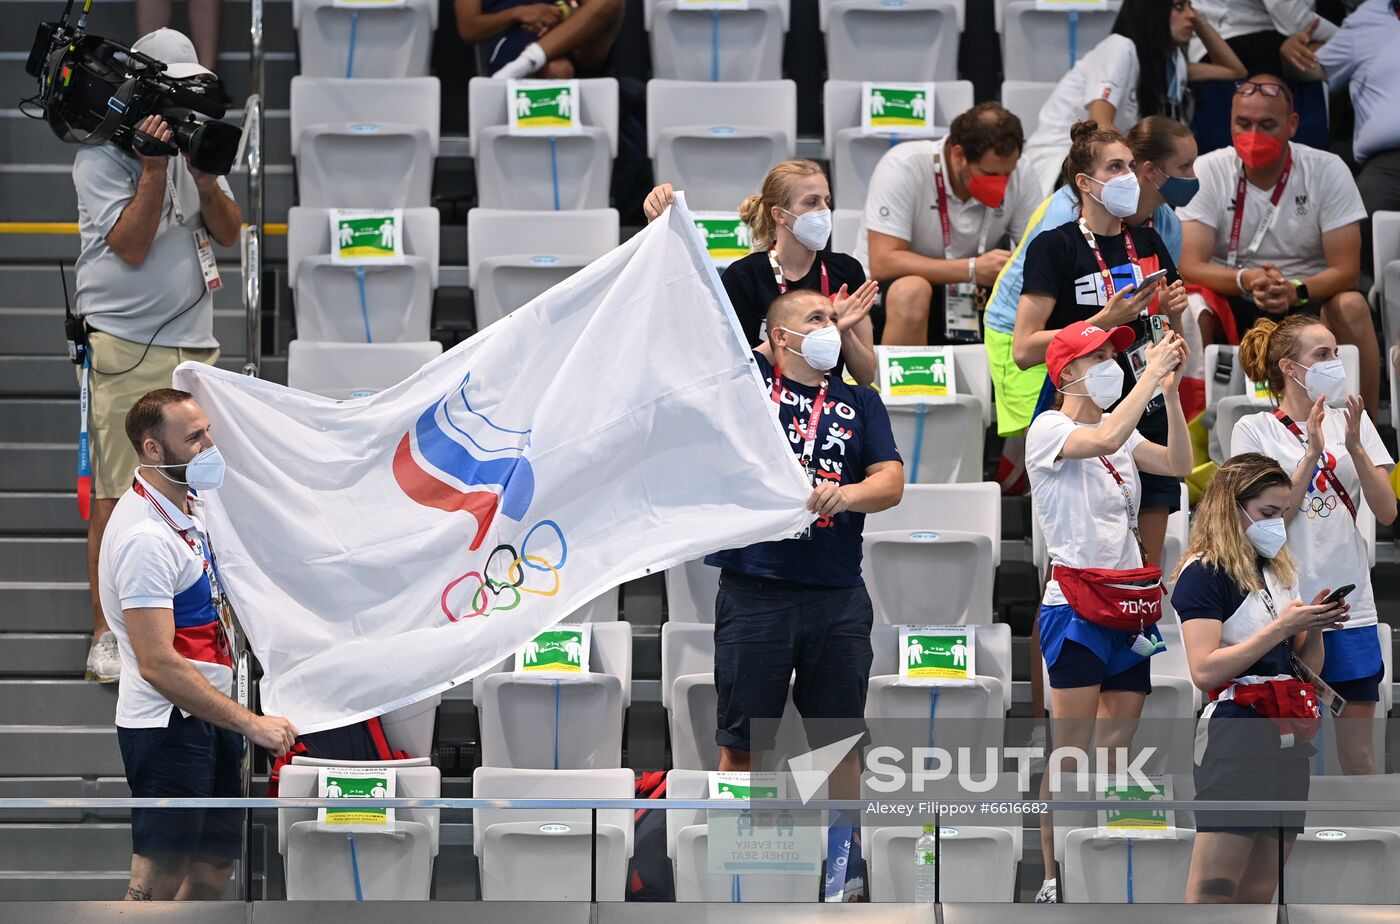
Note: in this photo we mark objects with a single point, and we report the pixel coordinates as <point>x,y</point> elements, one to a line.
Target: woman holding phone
<point>1325,438</point>
<point>1097,268</point>
<point>1253,647</point>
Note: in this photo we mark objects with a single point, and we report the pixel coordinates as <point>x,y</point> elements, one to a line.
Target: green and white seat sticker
<point>756,841</point>
<point>543,107</point>
<point>944,655</point>
<point>916,374</point>
<point>901,108</point>
<point>560,650</point>
<point>351,783</point>
<point>726,237</point>
<point>366,236</point>
<point>1140,819</point>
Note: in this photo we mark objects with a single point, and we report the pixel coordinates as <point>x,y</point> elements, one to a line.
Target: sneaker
<point>1049,893</point>
<point>104,663</point>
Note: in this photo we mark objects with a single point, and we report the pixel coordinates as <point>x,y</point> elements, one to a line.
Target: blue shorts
<point>193,759</point>
<point>1080,653</point>
<point>765,629</point>
<point>1352,662</point>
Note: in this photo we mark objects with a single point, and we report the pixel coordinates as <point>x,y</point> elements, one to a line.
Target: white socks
<point>530,60</point>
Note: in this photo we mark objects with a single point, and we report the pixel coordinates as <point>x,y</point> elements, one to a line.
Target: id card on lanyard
<point>203,243</point>
<point>1329,697</point>
<point>1233,254</point>
<point>809,435</point>
<point>963,301</point>
<point>781,281</point>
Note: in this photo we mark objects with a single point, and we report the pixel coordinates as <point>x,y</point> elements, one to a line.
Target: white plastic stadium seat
<point>953,717</point>
<point>908,40</point>
<point>549,723</point>
<point>1353,865</point>
<point>854,155</point>
<point>602,608</point>
<point>976,863</point>
<point>1036,43</point>
<point>1385,271</point>
<point>535,171</point>
<point>364,40</point>
<point>365,143</point>
<point>513,257</point>
<point>691,588</point>
<point>394,863</point>
<point>398,298</point>
<point>845,229</point>
<point>1024,98</point>
<point>1178,533</point>
<point>544,854</point>
<point>940,443</point>
<point>717,141</point>
<point>992,644</point>
<point>707,44</point>
<point>1096,867</point>
<point>687,842</point>
<point>354,370</point>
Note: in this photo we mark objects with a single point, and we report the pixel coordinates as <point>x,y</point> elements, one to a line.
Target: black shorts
<point>1159,491</point>
<point>1078,666</point>
<point>1360,690</point>
<point>1242,761</point>
<point>765,629</point>
<point>1246,312</point>
<point>191,759</point>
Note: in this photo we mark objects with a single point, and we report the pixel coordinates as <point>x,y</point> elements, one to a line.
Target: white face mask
<point>1267,536</point>
<point>1327,380</point>
<point>1120,194</point>
<point>1103,383</point>
<point>205,472</point>
<point>821,347</point>
<point>812,229</point>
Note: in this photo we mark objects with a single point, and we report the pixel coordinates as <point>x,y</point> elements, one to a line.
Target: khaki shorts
<point>113,458</point>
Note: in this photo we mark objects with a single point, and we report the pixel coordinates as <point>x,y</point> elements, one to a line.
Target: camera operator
<point>146,280</point>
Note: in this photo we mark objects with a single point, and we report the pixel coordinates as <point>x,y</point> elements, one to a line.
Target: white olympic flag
<point>382,549</point>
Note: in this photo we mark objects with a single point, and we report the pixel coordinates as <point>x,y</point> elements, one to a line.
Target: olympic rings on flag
<point>494,587</point>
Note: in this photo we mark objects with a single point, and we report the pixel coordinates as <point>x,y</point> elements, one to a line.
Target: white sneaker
<point>1049,893</point>
<point>104,662</point>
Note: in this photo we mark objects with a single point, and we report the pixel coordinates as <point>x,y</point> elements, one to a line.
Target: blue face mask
<point>1178,190</point>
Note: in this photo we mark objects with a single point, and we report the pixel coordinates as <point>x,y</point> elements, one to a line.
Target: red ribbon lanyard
<point>813,419</point>
<point>1232,257</point>
<point>215,590</point>
<point>1332,480</point>
<point>1108,287</point>
<point>782,283</point>
<point>942,195</point>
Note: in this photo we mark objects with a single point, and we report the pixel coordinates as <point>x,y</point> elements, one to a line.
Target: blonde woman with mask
<point>1324,438</point>
<point>1252,646</point>
<point>790,223</point>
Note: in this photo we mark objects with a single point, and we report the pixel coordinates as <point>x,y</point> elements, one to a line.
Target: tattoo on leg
<point>138,894</point>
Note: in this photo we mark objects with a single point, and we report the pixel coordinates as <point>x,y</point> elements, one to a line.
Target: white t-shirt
<point>1320,196</point>
<point>903,203</point>
<point>1078,504</point>
<point>143,563</point>
<point>1109,72</point>
<point>1323,539</point>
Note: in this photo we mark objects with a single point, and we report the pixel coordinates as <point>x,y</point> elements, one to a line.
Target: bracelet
<point>972,270</point>
<point>1239,282</point>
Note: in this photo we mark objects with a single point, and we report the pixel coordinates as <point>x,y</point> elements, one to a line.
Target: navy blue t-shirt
<point>853,435</point>
<point>1207,592</point>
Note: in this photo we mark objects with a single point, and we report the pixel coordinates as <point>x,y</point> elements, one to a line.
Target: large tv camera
<point>93,90</point>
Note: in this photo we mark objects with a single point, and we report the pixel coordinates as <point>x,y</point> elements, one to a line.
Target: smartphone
<point>1147,280</point>
<point>1338,595</point>
<point>1159,328</point>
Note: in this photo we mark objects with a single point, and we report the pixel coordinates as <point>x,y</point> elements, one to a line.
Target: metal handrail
<point>252,235</point>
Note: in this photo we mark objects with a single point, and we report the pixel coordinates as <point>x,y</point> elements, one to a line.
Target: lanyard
<point>1128,503</point>
<point>174,199</point>
<point>216,592</point>
<point>1108,287</point>
<point>813,419</point>
<point>946,222</point>
<point>84,443</point>
<point>1332,480</point>
<point>782,283</point>
<point>1233,256</point>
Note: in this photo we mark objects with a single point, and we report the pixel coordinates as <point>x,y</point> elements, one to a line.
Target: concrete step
<point>37,466</point>
<point>39,331</point>
<point>27,606</point>
<point>42,787</point>
<point>43,559</point>
<point>35,284</point>
<point>37,420</point>
<point>64,887</point>
<point>59,702</point>
<point>54,750</point>
<point>41,513</point>
<point>44,192</point>
<point>45,376</point>
<point>60,847</point>
<point>116,19</point>
<point>42,654</point>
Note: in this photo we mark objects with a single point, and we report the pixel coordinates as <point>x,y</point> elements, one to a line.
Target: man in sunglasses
<point>1276,230</point>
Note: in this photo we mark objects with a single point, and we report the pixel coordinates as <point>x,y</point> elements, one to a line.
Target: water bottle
<point>925,861</point>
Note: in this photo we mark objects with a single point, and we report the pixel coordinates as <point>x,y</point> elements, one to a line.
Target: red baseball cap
<point>1080,339</point>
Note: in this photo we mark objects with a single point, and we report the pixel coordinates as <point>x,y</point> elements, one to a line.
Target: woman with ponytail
<point>1253,648</point>
<point>790,223</point>
<point>1324,437</point>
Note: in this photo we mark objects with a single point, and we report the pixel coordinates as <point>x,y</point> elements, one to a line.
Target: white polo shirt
<point>144,563</point>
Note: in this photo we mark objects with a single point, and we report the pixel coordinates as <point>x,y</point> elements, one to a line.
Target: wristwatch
<point>1300,293</point>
